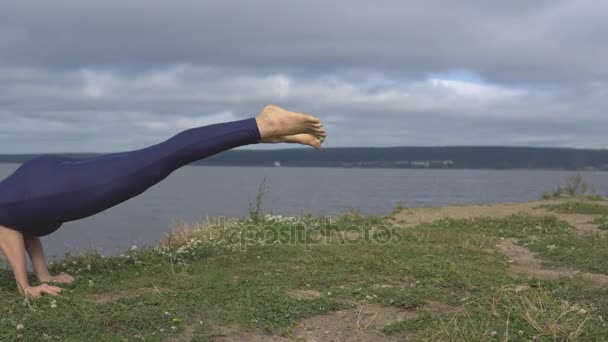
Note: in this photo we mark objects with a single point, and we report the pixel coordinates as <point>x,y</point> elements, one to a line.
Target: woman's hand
<point>62,278</point>
<point>37,291</point>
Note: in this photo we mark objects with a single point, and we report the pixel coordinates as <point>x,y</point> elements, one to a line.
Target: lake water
<point>195,192</point>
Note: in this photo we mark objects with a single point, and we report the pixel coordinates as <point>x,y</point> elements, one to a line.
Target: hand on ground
<point>37,291</point>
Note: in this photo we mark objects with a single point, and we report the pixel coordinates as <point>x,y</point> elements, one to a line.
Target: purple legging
<point>47,191</point>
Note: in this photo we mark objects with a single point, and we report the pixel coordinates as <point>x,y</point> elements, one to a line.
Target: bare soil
<point>415,216</point>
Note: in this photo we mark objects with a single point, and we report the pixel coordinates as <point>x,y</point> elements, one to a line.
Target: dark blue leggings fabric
<point>47,191</point>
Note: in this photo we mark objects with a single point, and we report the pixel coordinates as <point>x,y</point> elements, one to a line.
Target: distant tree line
<point>403,157</point>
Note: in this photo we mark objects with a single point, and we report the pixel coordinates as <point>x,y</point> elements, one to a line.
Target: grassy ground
<point>579,207</point>
<point>342,278</point>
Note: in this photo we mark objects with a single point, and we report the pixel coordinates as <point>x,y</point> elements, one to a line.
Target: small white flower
<point>134,247</point>
<point>493,333</point>
<point>20,327</point>
<point>174,328</point>
<point>53,306</point>
<point>551,247</point>
<point>89,267</point>
<point>91,284</point>
<point>329,294</point>
<point>167,313</point>
<point>582,311</point>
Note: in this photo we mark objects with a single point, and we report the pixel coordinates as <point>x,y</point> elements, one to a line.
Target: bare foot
<point>274,122</point>
<point>304,139</point>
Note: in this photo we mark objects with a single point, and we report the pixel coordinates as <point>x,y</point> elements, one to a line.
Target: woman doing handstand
<point>47,191</point>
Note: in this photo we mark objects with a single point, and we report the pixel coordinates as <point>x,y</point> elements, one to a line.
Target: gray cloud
<point>520,41</point>
<point>109,76</point>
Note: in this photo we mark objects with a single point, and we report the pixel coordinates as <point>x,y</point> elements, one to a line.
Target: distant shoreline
<point>377,168</point>
<point>422,158</point>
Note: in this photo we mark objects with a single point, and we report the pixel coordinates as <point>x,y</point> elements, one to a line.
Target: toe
<point>319,132</point>
<point>307,139</point>
<point>313,119</point>
<point>315,143</point>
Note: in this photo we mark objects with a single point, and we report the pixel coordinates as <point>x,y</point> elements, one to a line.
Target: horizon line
<point>350,147</point>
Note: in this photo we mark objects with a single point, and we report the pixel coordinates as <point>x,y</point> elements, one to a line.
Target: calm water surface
<point>196,192</point>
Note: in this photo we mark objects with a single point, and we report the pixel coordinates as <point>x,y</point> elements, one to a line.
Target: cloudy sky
<point>108,76</point>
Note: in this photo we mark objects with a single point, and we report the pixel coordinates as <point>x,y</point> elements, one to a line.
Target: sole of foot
<point>303,139</point>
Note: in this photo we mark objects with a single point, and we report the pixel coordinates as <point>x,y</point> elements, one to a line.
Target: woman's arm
<point>12,245</point>
<point>34,248</point>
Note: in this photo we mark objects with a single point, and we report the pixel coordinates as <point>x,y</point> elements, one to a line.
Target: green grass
<point>602,222</point>
<point>578,207</point>
<point>516,226</point>
<point>200,282</point>
<point>554,240</point>
<point>588,252</point>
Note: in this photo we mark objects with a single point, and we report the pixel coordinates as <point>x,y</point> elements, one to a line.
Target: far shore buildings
<point>402,163</point>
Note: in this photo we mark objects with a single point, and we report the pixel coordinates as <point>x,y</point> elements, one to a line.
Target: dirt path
<point>363,323</point>
<point>415,216</point>
<point>526,263</point>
